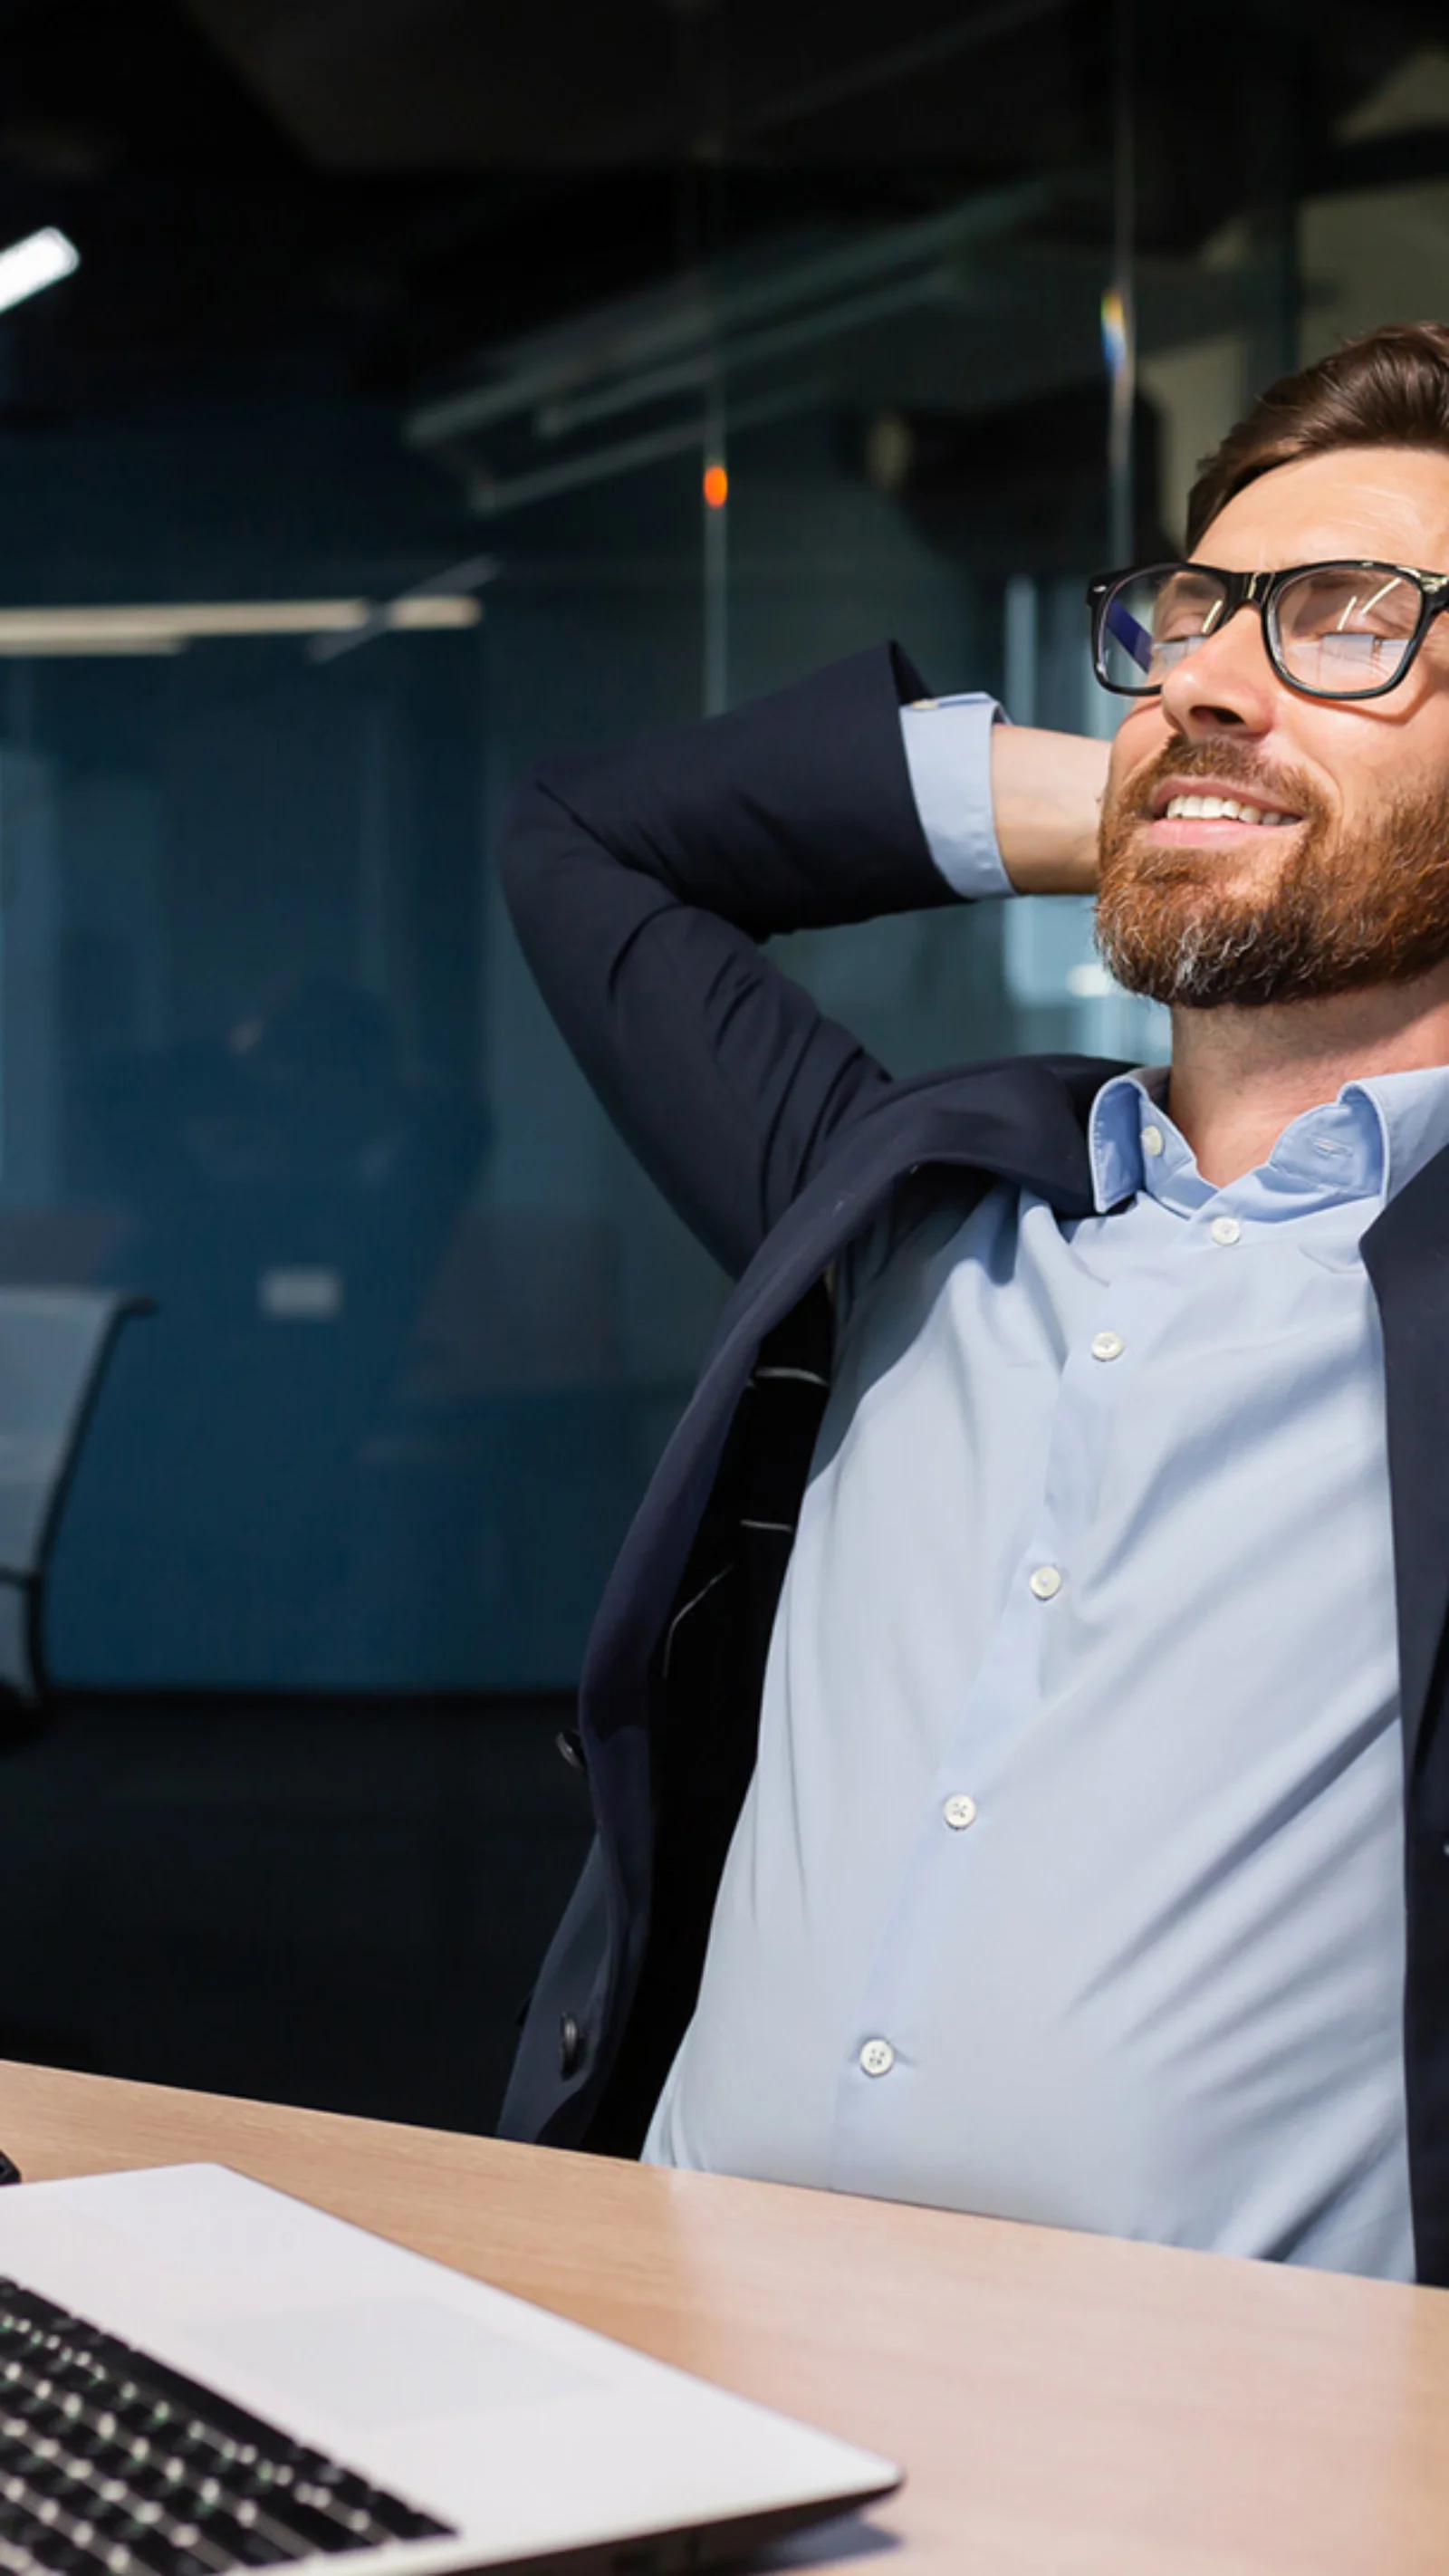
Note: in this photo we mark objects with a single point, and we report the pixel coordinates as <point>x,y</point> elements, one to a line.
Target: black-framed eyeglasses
<point>1332,630</point>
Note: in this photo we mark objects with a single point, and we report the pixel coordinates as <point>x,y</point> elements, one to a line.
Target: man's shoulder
<point>1016,1119</point>
<point>939,1120</point>
<point>1031,1110</point>
<point>1079,1077</point>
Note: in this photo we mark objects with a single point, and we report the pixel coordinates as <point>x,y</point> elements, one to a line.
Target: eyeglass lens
<point>1341,630</point>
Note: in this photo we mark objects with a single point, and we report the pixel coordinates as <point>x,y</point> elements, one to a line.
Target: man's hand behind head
<point>1047,790</point>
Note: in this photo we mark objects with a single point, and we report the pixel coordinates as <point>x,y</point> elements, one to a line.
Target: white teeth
<point>1226,809</point>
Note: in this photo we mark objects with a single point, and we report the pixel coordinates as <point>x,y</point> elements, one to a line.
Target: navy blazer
<point>641,883</point>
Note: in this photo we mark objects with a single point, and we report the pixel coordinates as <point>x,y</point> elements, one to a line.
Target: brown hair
<point>1388,389</point>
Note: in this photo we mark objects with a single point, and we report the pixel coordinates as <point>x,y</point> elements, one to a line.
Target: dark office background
<point>405,297</point>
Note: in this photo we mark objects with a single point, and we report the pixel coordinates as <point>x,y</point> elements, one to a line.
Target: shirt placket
<point>897,2023</point>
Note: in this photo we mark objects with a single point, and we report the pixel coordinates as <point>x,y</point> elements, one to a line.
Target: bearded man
<point>1017,1722</point>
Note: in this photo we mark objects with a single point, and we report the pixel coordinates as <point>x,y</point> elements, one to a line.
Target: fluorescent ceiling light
<point>170,628</point>
<point>294,616</point>
<point>425,608</point>
<point>42,259</point>
<point>51,646</point>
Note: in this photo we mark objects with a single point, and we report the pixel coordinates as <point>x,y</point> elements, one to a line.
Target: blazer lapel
<point>1406,1254</point>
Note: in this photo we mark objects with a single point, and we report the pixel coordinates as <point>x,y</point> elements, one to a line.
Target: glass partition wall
<point>616,425</point>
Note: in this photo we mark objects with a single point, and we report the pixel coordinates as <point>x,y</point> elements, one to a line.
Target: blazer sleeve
<point>640,884</point>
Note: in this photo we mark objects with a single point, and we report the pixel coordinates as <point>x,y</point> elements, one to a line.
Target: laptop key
<point>64,2556</point>
<point>114,2464</point>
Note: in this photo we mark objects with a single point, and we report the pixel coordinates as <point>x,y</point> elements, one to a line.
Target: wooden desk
<point>1064,2406</point>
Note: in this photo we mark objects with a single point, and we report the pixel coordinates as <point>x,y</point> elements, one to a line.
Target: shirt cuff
<point>948,753</point>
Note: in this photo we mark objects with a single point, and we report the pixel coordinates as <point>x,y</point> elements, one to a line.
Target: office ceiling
<point>570,84</point>
<point>419,85</point>
<point>362,194</point>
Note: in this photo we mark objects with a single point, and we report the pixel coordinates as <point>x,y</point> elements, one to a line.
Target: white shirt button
<point>1107,1346</point>
<point>1046,1583</point>
<point>1225,1229</point>
<point>959,1812</point>
<point>877,2057</point>
<point>1152,1140</point>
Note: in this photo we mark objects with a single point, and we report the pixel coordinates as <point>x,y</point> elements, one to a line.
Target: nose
<point>1225,685</point>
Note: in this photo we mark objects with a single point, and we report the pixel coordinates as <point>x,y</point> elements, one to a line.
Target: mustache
<point>1286,791</point>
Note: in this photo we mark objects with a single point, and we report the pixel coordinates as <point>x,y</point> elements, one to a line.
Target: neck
<point>1239,1077</point>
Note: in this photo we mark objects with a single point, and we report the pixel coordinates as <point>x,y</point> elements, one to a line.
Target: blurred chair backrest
<point>54,1345</point>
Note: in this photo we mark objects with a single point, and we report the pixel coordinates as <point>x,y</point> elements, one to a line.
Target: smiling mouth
<point>1224,809</point>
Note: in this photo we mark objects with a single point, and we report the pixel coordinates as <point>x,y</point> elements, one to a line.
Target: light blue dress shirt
<point>1069,1884</point>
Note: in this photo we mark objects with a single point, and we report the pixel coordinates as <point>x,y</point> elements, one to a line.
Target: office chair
<point>54,1346</point>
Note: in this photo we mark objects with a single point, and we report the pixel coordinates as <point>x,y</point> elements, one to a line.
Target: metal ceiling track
<point>680,343</point>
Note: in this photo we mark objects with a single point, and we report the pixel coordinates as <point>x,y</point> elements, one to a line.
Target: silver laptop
<point>199,2375</point>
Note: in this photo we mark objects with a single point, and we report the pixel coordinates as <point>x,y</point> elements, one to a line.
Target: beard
<point>1346,909</point>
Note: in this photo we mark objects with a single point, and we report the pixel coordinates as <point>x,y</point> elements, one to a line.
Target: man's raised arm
<point>641,881</point>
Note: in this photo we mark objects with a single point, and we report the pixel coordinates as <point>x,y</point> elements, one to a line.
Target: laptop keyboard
<point>111,2464</point>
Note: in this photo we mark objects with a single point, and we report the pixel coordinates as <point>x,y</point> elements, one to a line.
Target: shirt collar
<point>1367,1143</point>
<point>1412,1114</point>
<point>1124,1107</point>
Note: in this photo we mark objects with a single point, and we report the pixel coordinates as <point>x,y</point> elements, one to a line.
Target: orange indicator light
<point>716,487</point>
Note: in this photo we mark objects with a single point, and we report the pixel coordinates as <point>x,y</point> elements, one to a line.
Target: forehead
<point>1390,502</point>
